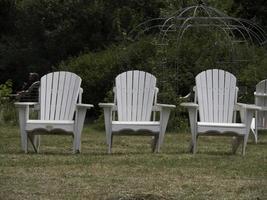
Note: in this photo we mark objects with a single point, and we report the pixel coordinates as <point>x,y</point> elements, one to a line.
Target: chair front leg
<point>164,117</point>
<point>249,115</point>
<point>256,126</point>
<point>78,127</point>
<point>35,141</point>
<point>108,127</point>
<point>236,142</point>
<point>154,143</point>
<point>193,127</point>
<point>23,117</point>
<point>246,115</point>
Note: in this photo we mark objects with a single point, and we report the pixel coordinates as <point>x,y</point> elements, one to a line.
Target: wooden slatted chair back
<point>135,93</point>
<point>216,95</point>
<point>261,100</point>
<point>58,95</point>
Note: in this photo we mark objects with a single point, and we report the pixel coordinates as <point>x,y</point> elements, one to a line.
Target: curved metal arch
<point>235,30</point>
<point>214,25</point>
<point>183,29</point>
<point>145,27</point>
<point>239,21</point>
<point>256,27</point>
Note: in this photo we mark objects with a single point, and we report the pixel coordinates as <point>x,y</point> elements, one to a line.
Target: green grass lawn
<point>132,171</point>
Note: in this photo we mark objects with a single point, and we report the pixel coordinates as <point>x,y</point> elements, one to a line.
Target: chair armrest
<point>186,97</point>
<point>165,105</point>
<point>241,106</point>
<point>23,108</point>
<point>25,104</point>
<point>108,111</point>
<point>108,105</point>
<point>246,112</point>
<point>189,105</point>
<point>164,110</point>
<point>159,107</point>
<point>192,110</point>
<point>81,111</point>
<point>260,94</point>
<point>87,106</point>
<point>263,108</point>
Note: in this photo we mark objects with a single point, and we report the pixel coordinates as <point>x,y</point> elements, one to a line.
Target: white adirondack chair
<point>58,97</point>
<point>135,99</point>
<point>260,120</point>
<point>216,102</point>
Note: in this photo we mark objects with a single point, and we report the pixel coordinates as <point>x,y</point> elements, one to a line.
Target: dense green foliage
<point>90,39</point>
<point>255,10</point>
<point>7,110</point>
<point>98,70</point>
<point>37,34</point>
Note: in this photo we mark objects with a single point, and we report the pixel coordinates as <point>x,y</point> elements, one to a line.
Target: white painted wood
<point>129,92</point>
<point>204,97</point>
<point>217,87</point>
<point>69,97</point>
<point>261,100</point>
<point>210,103</point>
<point>135,97</point>
<point>215,124</point>
<point>221,97</point>
<point>265,105</point>
<point>192,109</point>
<point>58,101</point>
<point>151,97</point>
<point>119,97</point>
<point>54,96</point>
<point>145,99</point>
<point>148,100</point>
<point>60,95</point>
<point>215,79</point>
<point>114,114</point>
<point>118,126</point>
<point>78,125</point>
<point>124,96</point>
<point>65,94</point>
<point>135,94</point>
<point>80,95</point>
<point>199,99</point>
<point>260,122</point>
<point>226,97</point>
<point>47,94</point>
<point>155,101</point>
<point>232,99</point>
<point>140,95</point>
<point>42,96</point>
<point>49,125</point>
<point>216,95</point>
<point>74,98</point>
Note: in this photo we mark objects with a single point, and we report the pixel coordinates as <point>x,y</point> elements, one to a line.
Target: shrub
<point>174,68</point>
<point>7,109</point>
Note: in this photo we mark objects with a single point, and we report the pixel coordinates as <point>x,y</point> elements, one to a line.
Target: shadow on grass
<point>118,153</point>
<point>217,153</point>
<point>261,143</point>
<point>141,197</point>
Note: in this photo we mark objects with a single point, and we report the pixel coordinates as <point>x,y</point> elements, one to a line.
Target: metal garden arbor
<point>225,41</point>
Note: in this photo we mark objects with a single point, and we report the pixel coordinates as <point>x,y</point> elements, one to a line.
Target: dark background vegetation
<point>89,38</point>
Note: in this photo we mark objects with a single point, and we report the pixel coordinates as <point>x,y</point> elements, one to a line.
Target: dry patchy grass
<point>132,172</point>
